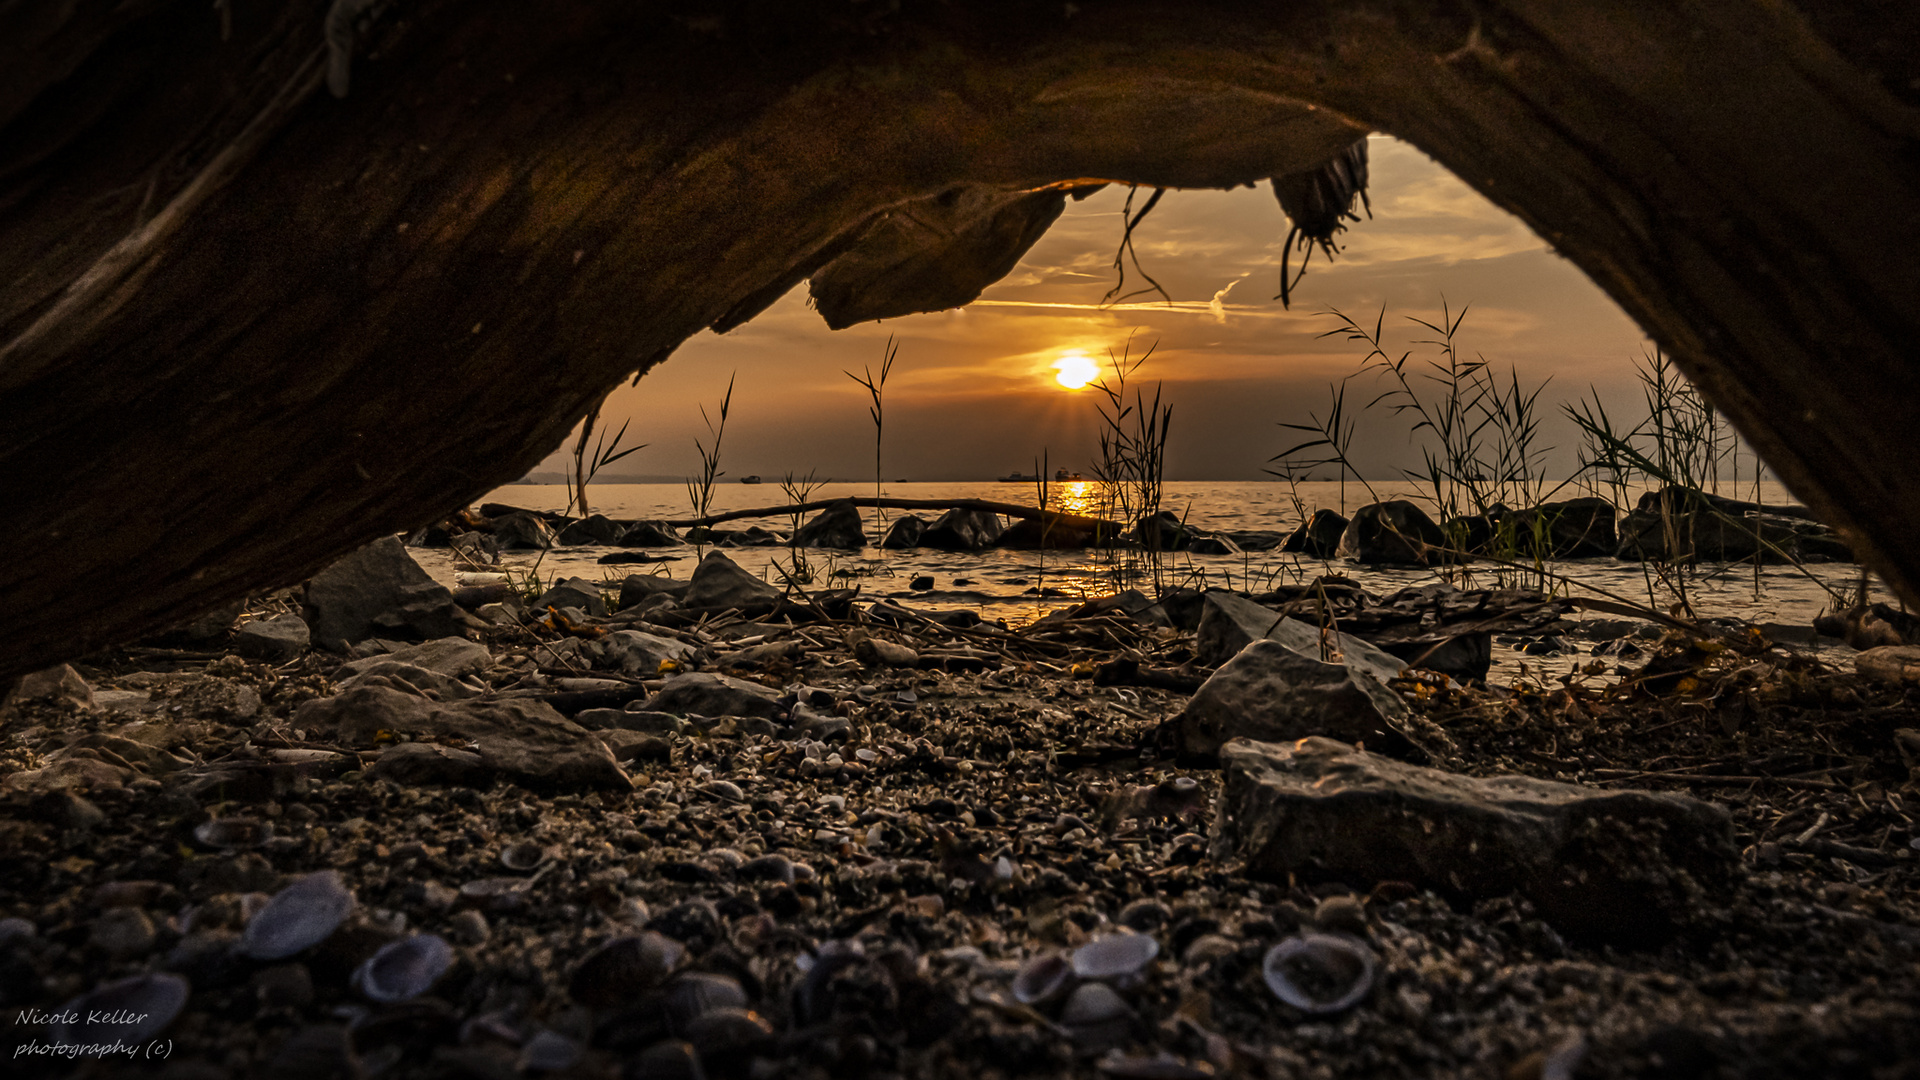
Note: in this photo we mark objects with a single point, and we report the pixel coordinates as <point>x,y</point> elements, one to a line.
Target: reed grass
<point>1131,469</point>
<point>585,466</point>
<point>876,386</point>
<point>700,488</point>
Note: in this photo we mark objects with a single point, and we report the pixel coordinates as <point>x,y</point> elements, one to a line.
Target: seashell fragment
<point>1094,1003</point>
<point>298,917</point>
<point>129,1011</point>
<point>523,855</point>
<point>403,970</point>
<point>1042,979</point>
<point>233,833</point>
<point>613,973</point>
<point>1320,974</point>
<point>1114,956</point>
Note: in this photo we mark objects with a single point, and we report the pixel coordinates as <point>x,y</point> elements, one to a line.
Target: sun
<point>1074,370</point>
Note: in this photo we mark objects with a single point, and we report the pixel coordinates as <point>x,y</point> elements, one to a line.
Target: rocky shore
<point>709,828</point>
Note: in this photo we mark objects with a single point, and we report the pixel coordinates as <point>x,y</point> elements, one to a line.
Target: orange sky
<point>973,393</point>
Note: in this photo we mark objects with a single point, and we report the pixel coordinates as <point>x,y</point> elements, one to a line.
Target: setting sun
<point>1075,370</point>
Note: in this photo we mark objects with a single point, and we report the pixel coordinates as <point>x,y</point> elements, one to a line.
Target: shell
<point>14,929</point>
<point>1320,974</point>
<point>523,855</point>
<point>724,789</point>
<point>298,917</point>
<point>1114,956</point>
<point>403,970</point>
<point>1094,1003</point>
<point>233,833</point>
<point>1145,915</point>
<point>697,993</point>
<point>1042,979</point>
<point>146,1004</point>
<point>613,973</point>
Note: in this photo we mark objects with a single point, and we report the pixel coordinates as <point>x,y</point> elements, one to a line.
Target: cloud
<point>1218,305</point>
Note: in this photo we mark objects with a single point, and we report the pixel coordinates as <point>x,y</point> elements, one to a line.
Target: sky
<point>973,393</point>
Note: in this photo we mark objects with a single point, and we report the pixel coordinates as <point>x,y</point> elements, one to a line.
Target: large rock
<point>1396,533</point>
<point>905,532</point>
<point>634,653</point>
<point>1058,533</point>
<point>1273,693</point>
<point>1230,622</point>
<point>1678,524</point>
<point>962,530</point>
<point>574,592</point>
<point>592,529</point>
<point>282,637</point>
<point>452,656</point>
<point>1620,865</point>
<point>378,591</point>
<point>650,534</point>
<point>1319,536</point>
<point>704,694</point>
<point>59,685</point>
<point>410,679</point>
<point>521,740</point>
<point>636,588</point>
<point>1163,531</point>
<point>1580,528</point>
<point>523,531</point>
<point>838,526</point>
<point>719,582</point>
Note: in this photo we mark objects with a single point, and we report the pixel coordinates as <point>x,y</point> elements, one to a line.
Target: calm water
<point>1019,586</point>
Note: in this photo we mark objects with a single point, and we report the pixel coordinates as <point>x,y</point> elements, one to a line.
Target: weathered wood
<point>246,326</point>
<point>1006,509</point>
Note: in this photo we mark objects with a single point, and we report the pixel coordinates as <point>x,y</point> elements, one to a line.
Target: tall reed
<point>586,467</point>
<point>876,386</point>
<point>700,488</point>
<point>1131,469</point>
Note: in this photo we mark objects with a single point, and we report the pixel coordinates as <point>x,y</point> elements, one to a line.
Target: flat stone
<point>60,685</point>
<point>1890,664</point>
<point>409,678</point>
<point>414,764</point>
<point>1617,865</point>
<point>525,741</point>
<point>1271,692</point>
<point>452,656</point>
<point>1230,622</point>
<point>574,592</point>
<point>634,652</point>
<point>705,694</point>
<point>719,582</point>
<point>282,637</point>
<point>378,591</point>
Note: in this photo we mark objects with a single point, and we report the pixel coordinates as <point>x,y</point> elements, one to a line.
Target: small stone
<point>123,932</point>
<point>469,927</point>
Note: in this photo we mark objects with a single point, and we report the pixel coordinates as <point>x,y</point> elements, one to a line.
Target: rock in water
<point>378,591</point>
<point>904,533</point>
<point>282,637</point>
<point>636,589</point>
<point>1622,866</point>
<point>1229,622</point>
<point>525,740</point>
<point>718,582</point>
<point>523,531</point>
<point>593,529</point>
<point>650,534</point>
<point>1273,693</point>
<point>1318,536</point>
<point>1580,528</point>
<point>838,526</point>
<point>703,694</point>
<point>962,530</point>
<point>1394,533</point>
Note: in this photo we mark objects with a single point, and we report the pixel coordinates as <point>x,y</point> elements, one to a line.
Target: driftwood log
<point>276,279</point>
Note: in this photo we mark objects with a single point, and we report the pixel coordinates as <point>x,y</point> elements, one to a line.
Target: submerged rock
<point>650,534</point>
<point>574,592</point>
<point>904,533</point>
<point>524,532</point>
<point>592,529</point>
<point>1273,693</point>
<point>1395,533</point>
<point>962,530</point>
<point>719,582</point>
<point>1318,536</point>
<point>838,526</point>
<point>1624,866</point>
